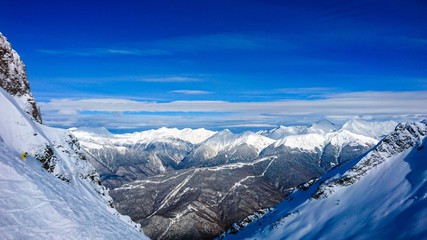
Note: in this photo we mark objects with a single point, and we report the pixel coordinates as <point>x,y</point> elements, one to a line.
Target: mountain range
<point>194,184</point>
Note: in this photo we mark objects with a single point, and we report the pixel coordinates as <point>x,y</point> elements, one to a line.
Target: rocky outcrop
<point>13,78</point>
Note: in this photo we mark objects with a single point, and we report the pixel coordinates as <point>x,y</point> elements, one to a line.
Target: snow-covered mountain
<point>193,136</point>
<point>53,193</point>
<point>226,147</point>
<point>380,196</point>
<point>320,151</point>
<point>122,158</point>
<point>375,130</point>
<point>282,132</point>
<point>321,127</point>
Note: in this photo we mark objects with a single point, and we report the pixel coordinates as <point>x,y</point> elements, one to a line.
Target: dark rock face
<point>13,78</point>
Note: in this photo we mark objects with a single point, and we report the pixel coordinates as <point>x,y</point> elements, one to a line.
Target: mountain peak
<point>13,79</point>
<point>321,127</point>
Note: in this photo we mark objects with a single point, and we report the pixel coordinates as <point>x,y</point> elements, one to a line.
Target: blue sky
<point>130,65</point>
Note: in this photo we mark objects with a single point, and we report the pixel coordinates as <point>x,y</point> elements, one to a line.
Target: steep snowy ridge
<point>52,192</point>
<point>380,196</point>
<point>37,205</point>
<point>406,136</point>
<point>13,79</point>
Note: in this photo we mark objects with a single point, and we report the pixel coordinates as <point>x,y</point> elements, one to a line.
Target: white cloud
<point>372,105</point>
<point>100,52</point>
<point>68,112</point>
<point>170,79</point>
<point>191,92</point>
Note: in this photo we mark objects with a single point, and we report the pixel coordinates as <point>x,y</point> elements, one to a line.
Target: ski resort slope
<point>65,203</point>
<point>382,196</point>
<point>36,205</point>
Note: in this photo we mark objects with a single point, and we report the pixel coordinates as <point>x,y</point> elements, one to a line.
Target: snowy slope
<point>307,142</point>
<point>381,196</point>
<point>375,130</point>
<point>226,147</point>
<point>36,204</point>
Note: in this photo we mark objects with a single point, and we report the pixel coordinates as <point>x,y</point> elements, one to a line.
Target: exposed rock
<point>13,78</point>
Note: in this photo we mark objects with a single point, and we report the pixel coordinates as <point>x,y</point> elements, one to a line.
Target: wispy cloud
<point>191,92</point>
<point>99,52</point>
<point>312,92</point>
<point>165,47</point>
<point>169,79</point>
<point>125,78</point>
<point>396,105</point>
